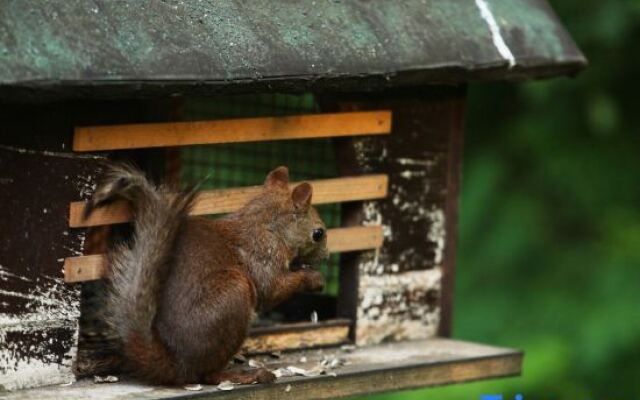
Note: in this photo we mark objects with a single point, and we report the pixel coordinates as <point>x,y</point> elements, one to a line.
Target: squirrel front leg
<point>291,282</point>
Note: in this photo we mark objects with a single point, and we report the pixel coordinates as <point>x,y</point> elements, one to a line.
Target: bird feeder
<point>365,100</point>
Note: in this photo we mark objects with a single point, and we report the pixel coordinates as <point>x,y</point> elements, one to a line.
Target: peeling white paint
<point>47,302</point>
<point>395,301</point>
<point>496,36</point>
<point>386,307</point>
<point>51,153</point>
<point>73,251</point>
<point>5,275</point>
<point>50,304</point>
<point>408,174</point>
<point>86,186</point>
<point>373,216</point>
<point>437,233</point>
<point>363,147</point>
<point>32,373</point>
<point>415,161</point>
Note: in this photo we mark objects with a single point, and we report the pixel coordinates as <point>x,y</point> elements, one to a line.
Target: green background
<point>549,240</point>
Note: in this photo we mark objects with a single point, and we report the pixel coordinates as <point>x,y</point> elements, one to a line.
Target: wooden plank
<point>367,370</point>
<point>92,267</point>
<point>115,137</point>
<point>297,336</point>
<point>325,191</point>
<point>355,238</point>
<point>85,268</point>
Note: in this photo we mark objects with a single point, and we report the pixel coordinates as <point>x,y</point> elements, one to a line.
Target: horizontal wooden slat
<point>227,200</point>
<point>92,267</point>
<point>297,336</point>
<point>114,137</point>
<point>355,238</point>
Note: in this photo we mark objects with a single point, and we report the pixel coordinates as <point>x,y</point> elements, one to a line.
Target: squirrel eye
<point>317,235</point>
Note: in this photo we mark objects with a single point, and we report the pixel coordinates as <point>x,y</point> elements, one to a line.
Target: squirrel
<point>184,291</point>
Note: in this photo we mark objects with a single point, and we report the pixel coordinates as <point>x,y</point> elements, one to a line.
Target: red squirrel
<point>184,292</point>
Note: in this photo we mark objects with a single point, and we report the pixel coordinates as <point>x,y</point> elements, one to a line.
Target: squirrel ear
<point>278,177</point>
<point>301,195</point>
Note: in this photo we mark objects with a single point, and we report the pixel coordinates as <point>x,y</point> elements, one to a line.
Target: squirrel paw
<point>314,281</point>
<point>264,376</point>
<point>259,375</point>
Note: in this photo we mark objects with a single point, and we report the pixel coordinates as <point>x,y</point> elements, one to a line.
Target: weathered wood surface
<point>92,267</point>
<point>374,369</point>
<point>228,200</point>
<point>38,312</point>
<point>118,137</point>
<point>399,288</point>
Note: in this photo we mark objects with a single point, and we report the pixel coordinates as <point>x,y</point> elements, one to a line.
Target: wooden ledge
<point>373,369</point>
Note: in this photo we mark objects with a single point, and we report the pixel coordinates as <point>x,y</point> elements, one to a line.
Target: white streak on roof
<point>498,41</point>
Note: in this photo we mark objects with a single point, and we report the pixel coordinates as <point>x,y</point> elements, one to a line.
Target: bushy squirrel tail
<point>139,269</point>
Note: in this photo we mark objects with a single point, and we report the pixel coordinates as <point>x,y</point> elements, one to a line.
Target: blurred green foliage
<point>549,245</point>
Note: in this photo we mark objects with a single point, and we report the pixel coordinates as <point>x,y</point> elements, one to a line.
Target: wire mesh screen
<point>244,164</point>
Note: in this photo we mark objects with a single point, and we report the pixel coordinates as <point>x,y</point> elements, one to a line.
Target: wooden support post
<point>404,290</point>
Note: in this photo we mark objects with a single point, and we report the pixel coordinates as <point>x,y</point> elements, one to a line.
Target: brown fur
<point>185,291</point>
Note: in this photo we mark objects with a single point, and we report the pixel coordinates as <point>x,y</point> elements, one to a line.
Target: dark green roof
<point>78,48</point>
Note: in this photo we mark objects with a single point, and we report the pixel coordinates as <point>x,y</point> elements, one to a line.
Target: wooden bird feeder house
<point>363,99</point>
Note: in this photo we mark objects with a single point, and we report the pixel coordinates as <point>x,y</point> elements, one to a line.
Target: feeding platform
<point>365,370</point>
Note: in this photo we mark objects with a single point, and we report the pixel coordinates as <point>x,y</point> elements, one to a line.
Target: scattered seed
<point>314,317</point>
<point>347,348</point>
<point>305,372</point>
<point>287,388</point>
<point>105,379</point>
<point>193,388</point>
<point>282,372</point>
<point>226,385</point>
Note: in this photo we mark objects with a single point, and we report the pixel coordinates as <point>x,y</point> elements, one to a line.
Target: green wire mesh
<point>243,164</point>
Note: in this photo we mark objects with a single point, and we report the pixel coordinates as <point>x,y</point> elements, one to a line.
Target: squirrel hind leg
<point>258,375</point>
